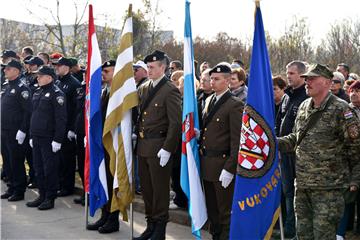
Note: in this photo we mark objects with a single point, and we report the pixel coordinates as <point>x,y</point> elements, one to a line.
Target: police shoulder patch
<point>353,131</point>
<point>60,100</point>
<point>25,94</point>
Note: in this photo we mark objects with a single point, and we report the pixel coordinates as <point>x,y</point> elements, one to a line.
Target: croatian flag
<point>190,160</point>
<point>95,179</point>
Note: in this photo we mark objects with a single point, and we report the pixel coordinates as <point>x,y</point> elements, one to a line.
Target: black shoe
<point>110,226</point>
<point>64,193</point>
<point>100,222</point>
<point>35,203</point>
<point>138,192</point>
<point>32,185</point>
<point>148,231</point>
<point>80,200</point>
<point>159,231</point>
<point>5,195</point>
<point>16,197</point>
<point>47,204</point>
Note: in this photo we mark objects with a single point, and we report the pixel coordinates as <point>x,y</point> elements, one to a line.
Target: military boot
<point>160,231</point>
<point>112,223</point>
<point>148,231</point>
<point>100,222</point>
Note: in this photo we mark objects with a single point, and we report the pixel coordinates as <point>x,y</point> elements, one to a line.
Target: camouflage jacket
<point>328,154</point>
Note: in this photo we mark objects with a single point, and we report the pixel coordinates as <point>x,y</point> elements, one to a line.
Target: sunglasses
<point>336,81</point>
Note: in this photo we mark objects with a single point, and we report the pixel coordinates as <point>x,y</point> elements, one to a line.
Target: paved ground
<point>67,221</point>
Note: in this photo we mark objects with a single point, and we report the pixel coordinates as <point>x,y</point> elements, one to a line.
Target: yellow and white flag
<point>118,124</point>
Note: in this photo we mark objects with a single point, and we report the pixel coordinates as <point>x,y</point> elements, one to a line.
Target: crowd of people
<point>317,118</point>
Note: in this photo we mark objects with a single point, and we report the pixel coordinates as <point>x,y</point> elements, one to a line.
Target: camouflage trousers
<point>318,213</point>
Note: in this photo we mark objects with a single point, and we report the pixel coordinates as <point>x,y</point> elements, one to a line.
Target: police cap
<point>34,61</point>
<point>157,55</point>
<point>318,70</point>
<point>64,61</point>
<point>8,53</point>
<point>221,68</point>
<point>14,64</point>
<point>109,63</point>
<point>46,70</point>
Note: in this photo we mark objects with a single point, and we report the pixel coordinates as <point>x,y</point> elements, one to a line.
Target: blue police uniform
<point>15,115</point>
<point>48,124</point>
<point>72,90</point>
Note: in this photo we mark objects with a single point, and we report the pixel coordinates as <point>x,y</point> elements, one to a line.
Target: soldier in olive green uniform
<point>159,128</point>
<point>219,149</point>
<point>326,149</point>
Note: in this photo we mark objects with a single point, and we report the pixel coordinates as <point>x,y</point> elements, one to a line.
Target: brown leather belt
<point>144,135</point>
<point>214,153</point>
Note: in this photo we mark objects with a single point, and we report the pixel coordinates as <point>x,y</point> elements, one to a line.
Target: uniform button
<point>217,119</point>
<point>156,104</point>
<point>143,120</point>
<point>205,129</point>
<point>145,113</point>
<point>203,147</point>
<point>203,138</point>
<point>224,156</point>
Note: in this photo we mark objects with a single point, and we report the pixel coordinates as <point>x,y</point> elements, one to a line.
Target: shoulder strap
<point>312,120</point>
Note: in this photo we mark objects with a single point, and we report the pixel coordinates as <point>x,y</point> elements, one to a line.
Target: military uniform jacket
<point>15,106</point>
<point>220,135</point>
<point>329,150</point>
<point>159,124</point>
<point>73,91</point>
<point>49,113</point>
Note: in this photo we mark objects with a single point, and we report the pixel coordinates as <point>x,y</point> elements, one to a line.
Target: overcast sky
<point>236,17</point>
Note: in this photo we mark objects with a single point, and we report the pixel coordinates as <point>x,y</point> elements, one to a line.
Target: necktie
<point>212,103</point>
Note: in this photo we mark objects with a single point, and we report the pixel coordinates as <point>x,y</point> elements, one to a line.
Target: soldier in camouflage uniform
<point>323,163</point>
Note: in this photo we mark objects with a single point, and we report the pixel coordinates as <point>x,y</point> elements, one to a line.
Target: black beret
<point>46,70</point>
<point>155,56</point>
<point>110,63</point>
<point>221,68</point>
<point>64,61</point>
<point>14,64</point>
<point>8,53</point>
<point>34,61</point>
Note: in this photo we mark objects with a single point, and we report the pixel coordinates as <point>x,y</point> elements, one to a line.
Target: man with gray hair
<point>337,86</point>
<point>285,120</point>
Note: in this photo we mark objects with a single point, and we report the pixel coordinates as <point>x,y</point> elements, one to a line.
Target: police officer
<point>326,139</point>
<point>159,126</point>
<point>72,89</point>
<point>30,77</point>
<point>219,146</point>
<point>6,56</point>
<point>47,131</point>
<point>109,221</point>
<point>15,117</point>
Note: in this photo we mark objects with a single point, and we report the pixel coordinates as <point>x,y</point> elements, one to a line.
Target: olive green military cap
<point>318,70</point>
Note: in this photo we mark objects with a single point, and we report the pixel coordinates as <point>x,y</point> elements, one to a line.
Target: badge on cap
<point>60,100</point>
<point>25,94</point>
<point>47,95</point>
<point>12,91</point>
<point>108,63</point>
<point>218,69</point>
<point>154,58</point>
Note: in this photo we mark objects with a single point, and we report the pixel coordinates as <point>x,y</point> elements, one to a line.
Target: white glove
<point>30,143</point>
<point>225,178</point>
<point>164,157</point>
<point>197,133</point>
<point>84,142</point>
<point>55,146</point>
<point>71,135</point>
<point>20,137</point>
<point>133,137</point>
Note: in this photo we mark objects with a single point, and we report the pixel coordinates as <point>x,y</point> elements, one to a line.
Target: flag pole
<point>282,237</point>
<point>131,204</point>
<point>86,211</point>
